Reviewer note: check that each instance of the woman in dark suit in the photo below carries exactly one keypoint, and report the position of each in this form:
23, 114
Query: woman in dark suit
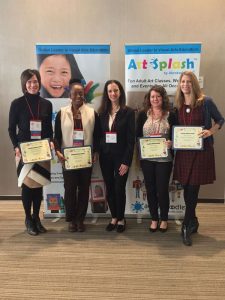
116, 149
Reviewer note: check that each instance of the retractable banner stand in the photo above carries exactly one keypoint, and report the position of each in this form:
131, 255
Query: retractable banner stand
57, 65
145, 66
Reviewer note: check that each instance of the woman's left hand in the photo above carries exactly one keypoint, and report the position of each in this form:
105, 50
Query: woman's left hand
205, 133
123, 169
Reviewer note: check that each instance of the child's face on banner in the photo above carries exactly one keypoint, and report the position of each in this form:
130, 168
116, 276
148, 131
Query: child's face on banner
55, 74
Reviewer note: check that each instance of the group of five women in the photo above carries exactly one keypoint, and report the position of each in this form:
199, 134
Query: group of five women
112, 135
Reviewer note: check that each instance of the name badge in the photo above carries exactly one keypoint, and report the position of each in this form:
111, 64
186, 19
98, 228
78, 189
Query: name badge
78, 134
78, 138
35, 130
111, 137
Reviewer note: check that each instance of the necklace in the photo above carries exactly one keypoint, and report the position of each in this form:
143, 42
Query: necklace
188, 110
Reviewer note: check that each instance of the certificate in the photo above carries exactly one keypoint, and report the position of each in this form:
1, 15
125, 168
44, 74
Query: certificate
35, 151
153, 147
77, 157
187, 138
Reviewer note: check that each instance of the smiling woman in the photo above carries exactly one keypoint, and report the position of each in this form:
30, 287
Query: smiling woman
56, 70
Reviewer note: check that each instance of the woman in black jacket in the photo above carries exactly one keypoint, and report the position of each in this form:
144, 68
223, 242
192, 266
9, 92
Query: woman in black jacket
30, 118
116, 149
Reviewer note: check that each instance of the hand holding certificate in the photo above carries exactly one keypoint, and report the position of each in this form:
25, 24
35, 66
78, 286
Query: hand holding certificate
153, 147
35, 151
187, 138
77, 157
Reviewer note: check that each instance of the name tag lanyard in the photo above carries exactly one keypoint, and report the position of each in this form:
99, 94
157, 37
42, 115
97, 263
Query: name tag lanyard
35, 124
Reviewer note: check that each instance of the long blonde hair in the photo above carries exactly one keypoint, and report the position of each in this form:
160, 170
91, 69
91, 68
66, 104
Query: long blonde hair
197, 97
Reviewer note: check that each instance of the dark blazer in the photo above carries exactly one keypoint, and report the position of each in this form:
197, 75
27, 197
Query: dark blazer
124, 126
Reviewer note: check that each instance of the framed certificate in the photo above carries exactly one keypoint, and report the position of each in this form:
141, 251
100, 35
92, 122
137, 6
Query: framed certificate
77, 157
35, 151
187, 138
152, 147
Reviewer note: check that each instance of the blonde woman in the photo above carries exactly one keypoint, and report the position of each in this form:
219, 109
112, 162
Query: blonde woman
194, 168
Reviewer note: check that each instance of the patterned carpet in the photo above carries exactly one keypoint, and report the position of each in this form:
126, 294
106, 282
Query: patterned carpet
100, 265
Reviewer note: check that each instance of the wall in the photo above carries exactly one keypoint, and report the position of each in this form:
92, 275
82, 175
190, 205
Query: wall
26, 22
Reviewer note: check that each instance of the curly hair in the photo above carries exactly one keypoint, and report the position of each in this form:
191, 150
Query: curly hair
165, 99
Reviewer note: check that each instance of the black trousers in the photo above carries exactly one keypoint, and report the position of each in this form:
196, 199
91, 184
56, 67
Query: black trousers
157, 176
31, 197
76, 184
191, 200
115, 184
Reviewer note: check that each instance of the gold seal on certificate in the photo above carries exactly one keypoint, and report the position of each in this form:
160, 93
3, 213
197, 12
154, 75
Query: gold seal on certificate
35, 151
77, 157
187, 138
153, 147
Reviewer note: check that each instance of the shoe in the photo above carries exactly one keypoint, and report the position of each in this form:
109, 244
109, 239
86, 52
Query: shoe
186, 235
31, 227
121, 227
81, 227
163, 229
154, 229
72, 227
110, 227
193, 225
39, 226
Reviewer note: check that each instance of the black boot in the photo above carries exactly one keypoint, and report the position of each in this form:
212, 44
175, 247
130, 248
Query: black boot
31, 227
39, 226
186, 235
193, 225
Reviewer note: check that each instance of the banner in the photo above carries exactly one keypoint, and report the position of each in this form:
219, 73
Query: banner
145, 66
57, 65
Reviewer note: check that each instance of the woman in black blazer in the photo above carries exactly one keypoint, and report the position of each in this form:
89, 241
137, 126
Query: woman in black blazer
116, 149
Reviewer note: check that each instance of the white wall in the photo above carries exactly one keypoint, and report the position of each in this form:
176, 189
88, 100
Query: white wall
23, 23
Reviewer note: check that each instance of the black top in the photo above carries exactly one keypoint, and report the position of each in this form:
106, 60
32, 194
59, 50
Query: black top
20, 117
58, 133
124, 126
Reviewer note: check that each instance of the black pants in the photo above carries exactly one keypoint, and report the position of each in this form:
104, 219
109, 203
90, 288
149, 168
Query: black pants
76, 184
115, 184
31, 197
191, 200
157, 176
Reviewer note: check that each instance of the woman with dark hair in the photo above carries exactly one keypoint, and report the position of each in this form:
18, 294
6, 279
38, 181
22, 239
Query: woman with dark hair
156, 119
116, 149
193, 168
56, 71
27, 112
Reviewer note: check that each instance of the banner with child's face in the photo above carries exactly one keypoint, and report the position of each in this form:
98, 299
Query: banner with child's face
57, 64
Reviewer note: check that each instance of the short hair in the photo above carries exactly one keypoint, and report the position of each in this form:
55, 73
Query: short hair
105, 106
165, 99
74, 81
26, 75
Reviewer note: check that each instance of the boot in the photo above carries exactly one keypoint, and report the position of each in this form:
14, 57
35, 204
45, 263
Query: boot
31, 227
194, 224
186, 235
39, 226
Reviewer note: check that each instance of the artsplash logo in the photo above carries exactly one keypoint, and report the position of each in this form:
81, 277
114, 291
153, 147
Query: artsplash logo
162, 65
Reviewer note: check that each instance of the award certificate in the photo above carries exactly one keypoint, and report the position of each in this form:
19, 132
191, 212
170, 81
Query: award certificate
77, 157
187, 138
35, 151
153, 147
